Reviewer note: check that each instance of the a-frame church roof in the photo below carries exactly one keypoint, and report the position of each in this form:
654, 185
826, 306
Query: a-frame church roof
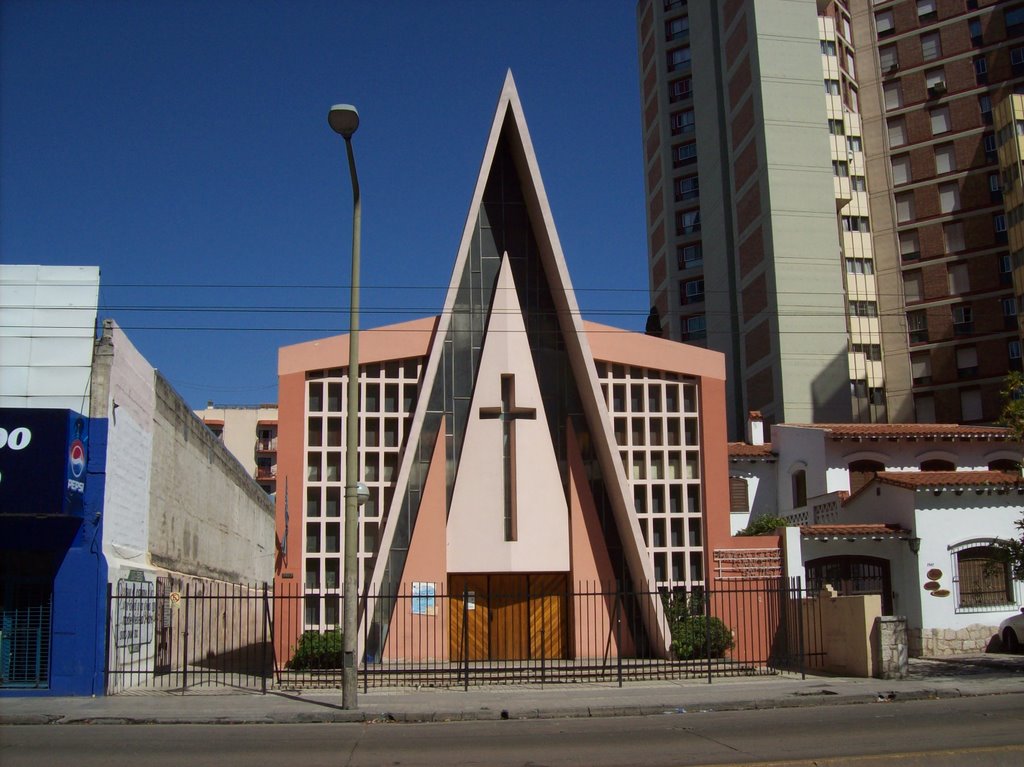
509, 229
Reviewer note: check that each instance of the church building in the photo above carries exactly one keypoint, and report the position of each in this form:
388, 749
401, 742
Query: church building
516, 456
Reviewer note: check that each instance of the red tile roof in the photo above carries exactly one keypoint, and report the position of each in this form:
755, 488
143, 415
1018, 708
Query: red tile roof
936, 479
908, 430
853, 531
745, 450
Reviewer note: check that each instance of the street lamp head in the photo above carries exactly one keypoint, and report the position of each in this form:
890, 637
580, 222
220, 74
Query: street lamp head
343, 119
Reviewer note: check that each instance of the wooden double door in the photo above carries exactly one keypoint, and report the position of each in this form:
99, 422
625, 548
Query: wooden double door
508, 617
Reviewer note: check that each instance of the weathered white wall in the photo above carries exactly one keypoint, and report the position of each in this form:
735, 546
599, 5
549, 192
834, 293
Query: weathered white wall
128, 402
47, 327
208, 517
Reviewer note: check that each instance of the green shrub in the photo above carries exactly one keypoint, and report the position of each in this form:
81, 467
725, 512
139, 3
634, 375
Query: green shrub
689, 627
765, 525
690, 638
317, 650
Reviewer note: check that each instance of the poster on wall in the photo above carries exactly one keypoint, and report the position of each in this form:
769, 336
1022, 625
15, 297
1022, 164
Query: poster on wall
423, 598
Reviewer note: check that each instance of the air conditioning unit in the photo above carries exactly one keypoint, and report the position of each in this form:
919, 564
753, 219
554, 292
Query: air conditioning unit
938, 89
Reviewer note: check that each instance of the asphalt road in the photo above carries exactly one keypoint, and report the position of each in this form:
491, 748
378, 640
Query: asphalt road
966, 731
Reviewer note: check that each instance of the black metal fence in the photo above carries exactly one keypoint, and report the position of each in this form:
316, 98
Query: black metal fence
485, 630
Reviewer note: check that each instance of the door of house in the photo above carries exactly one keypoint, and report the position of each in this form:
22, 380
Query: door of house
508, 616
851, 576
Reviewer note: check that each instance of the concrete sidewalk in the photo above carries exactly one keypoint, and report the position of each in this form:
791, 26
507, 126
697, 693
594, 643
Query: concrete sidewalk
958, 677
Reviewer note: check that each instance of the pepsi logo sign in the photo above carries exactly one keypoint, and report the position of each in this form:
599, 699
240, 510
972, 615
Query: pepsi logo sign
76, 457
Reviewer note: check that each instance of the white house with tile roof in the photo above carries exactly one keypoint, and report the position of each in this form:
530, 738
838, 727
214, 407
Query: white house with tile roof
909, 511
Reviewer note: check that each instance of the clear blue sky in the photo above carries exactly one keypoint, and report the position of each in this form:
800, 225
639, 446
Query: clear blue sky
179, 145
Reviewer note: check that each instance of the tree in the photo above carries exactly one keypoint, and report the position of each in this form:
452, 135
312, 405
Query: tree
1012, 417
765, 525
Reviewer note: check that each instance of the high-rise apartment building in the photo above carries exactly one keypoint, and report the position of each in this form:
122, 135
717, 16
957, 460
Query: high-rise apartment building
825, 204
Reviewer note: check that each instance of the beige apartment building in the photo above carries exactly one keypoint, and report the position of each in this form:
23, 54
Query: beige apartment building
825, 204
249, 432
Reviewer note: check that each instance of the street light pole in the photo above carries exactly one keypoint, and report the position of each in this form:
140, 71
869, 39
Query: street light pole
344, 119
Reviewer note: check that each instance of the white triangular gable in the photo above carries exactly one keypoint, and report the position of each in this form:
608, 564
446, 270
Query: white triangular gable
476, 539
509, 113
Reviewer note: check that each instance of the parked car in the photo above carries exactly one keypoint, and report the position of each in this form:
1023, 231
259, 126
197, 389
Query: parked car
1012, 632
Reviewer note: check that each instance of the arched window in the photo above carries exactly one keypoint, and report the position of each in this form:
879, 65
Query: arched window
1003, 464
862, 472
982, 576
799, 488
938, 464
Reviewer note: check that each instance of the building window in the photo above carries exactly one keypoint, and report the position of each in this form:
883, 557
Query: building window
901, 169
679, 58
985, 106
688, 222
685, 153
982, 577
980, 70
921, 368
739, 500
840, 168
892, 94
689, 256
828, 47
966, 361
974, 29
913, 286
799, 488
693, 292
884, 24
1013, 354
696, 326
931, 46
832, 87
963, 319
871, 352
999, 225
856, 224
905, 207
682, 122
917, 326
681, 89
863, 308
858, 183
888, 59
853, 143
926, 10
953, 236
687, 188
995, 189
910, 247
949, 197
677, 29
897, 131
989, 142
1014, 20
957, 279
945, 159
1017, 60
1005, 269
860, 266
836, 127
1009, 313
940, 121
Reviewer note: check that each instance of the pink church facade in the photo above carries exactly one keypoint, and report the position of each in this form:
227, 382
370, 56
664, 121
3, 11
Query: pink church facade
523, 465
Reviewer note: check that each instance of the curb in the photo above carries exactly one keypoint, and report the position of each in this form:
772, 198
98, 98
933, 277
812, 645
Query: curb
802, 700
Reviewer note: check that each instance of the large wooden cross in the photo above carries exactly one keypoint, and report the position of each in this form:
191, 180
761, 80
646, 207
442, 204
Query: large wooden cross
508, 413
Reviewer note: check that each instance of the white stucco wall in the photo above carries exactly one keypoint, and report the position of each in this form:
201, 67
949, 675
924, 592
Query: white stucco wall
47, 328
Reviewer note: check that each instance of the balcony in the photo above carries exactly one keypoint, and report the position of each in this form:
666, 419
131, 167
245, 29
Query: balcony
266, 472
266, 445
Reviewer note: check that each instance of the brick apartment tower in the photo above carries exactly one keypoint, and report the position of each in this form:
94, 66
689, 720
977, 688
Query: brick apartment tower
825, 204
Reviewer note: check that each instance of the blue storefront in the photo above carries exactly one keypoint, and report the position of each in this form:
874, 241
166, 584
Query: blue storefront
53, 574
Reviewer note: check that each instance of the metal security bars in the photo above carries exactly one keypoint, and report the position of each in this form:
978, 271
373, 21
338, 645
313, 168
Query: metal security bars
473, 630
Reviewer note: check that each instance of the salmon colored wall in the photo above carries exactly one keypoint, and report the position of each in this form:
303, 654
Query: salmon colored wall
617, 345
391, 342
424, 637
591, 570
291, 430
715, 459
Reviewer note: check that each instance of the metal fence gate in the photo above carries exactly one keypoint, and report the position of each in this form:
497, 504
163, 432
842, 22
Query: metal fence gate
181, 638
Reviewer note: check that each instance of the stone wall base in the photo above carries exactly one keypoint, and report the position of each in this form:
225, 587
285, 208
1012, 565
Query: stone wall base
934, 643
